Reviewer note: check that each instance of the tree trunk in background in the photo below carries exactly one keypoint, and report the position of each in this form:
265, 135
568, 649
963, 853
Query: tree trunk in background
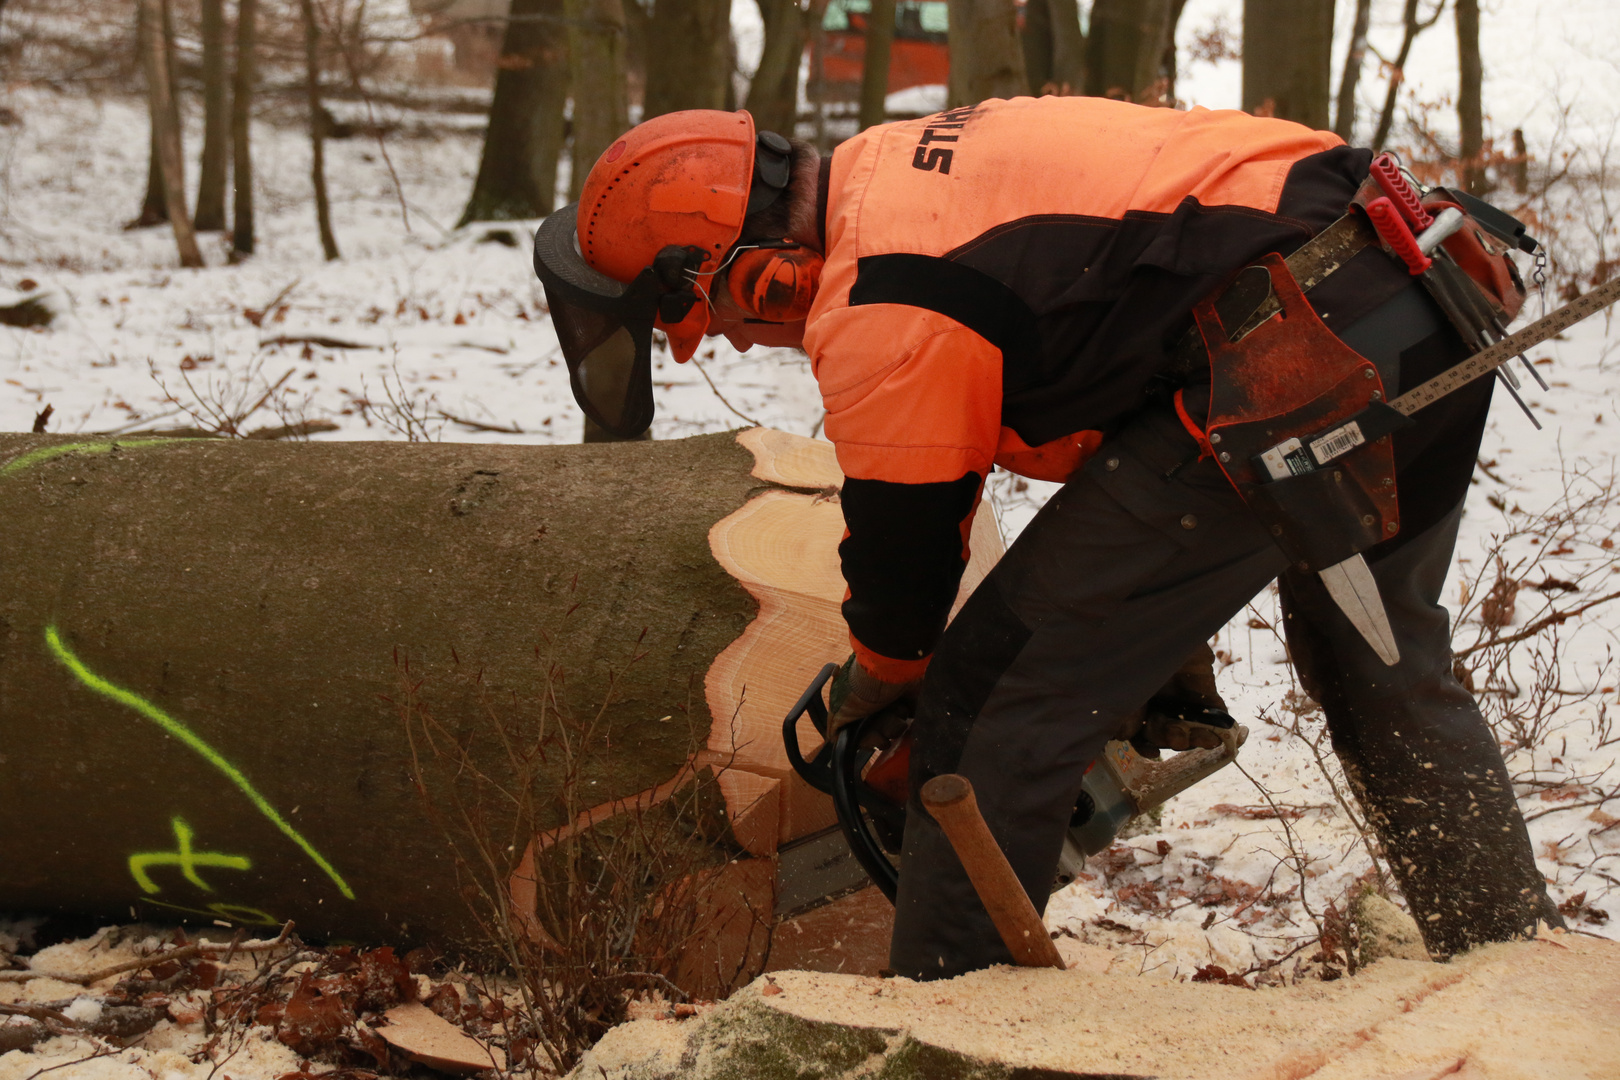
517, 175
1036, 40
216, 148
773, 93
1288, 59
154, 205
1125, 48
1411, 28
987, 60
875, 70
317, 127
242, 86
1470, 113
596, 41
1167, 62
1344, 116
166, 132
689, 56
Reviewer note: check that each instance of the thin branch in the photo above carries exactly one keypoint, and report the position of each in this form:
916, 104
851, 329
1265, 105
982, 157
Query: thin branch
721, 396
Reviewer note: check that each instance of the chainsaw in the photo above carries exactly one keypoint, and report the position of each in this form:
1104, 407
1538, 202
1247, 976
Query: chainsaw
865, 767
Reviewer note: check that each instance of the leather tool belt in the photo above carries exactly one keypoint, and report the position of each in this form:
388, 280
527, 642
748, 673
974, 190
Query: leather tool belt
1287, 379
1282, 386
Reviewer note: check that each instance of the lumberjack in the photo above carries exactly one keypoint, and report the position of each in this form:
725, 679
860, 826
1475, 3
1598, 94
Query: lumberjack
1095, 293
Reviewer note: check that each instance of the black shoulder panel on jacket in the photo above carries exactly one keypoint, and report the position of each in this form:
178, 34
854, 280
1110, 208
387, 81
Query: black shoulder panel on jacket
903, 560
970, 296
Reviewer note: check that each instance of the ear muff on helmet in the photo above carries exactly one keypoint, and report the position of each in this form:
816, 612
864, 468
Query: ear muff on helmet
776, 284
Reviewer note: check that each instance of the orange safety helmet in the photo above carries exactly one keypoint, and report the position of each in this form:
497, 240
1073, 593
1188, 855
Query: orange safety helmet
660, 211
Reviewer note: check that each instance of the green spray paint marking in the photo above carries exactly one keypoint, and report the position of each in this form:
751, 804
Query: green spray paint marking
47, 453
190, 738
185, 858
236, 913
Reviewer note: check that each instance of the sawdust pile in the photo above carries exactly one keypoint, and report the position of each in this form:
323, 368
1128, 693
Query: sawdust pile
1548, 1008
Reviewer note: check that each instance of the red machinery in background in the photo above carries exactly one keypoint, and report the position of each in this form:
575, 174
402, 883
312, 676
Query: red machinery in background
918, 57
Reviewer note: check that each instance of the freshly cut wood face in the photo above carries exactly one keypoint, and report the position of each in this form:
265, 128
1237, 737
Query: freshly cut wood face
783, 547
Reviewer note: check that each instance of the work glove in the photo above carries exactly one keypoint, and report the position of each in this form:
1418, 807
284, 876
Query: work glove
856, 694
1187, 713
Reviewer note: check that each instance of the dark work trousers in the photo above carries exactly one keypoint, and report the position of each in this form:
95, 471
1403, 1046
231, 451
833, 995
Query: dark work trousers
1142, 556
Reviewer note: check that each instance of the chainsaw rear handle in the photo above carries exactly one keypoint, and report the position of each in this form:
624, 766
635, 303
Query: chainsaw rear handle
818, 772
846, 772
834, 770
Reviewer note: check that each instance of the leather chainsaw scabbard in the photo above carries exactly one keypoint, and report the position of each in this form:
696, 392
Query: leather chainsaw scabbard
1292, 378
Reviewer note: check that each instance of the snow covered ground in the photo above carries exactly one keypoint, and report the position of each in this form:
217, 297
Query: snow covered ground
449, 326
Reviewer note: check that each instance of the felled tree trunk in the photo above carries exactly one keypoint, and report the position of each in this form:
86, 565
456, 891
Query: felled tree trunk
205, 646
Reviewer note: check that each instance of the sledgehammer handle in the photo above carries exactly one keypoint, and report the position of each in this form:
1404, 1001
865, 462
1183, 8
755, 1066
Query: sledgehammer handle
950, 800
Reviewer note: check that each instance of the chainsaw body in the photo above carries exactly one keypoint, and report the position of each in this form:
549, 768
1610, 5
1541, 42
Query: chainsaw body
865, 770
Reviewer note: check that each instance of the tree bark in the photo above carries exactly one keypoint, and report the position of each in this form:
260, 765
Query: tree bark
1168, 64
875, 67
242, 89
987, 60
773, 93
216, 638
154, 204
1470, 112
317, 128
517, 174
1126, 47
1288, 59
1036, 39
689, 58
212, 175
1412, 26
166, 133
596, 38
1344, 115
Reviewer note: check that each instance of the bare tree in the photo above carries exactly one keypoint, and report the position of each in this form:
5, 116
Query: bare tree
596, 39
154, 204
317, 127
987, 60
773, 94
165, 132
1054, 46
517, 175
1288, 59
1470, 113
875, 68
1412, 26
1126, 47
1344, 115
689, 56
216, 148
1168, 65
242, 85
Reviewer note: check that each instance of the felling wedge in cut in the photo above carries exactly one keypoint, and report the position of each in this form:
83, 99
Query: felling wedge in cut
211, 652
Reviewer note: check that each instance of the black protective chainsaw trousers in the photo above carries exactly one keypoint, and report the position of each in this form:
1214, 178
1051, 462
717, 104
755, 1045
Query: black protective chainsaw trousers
1144, 555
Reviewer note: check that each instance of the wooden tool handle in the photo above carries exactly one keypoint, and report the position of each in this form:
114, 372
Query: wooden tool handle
950, 800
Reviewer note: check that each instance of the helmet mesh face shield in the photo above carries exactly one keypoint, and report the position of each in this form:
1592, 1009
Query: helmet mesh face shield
604, 327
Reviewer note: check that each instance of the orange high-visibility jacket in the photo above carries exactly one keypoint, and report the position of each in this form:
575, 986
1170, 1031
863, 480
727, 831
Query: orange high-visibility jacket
1002, 285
